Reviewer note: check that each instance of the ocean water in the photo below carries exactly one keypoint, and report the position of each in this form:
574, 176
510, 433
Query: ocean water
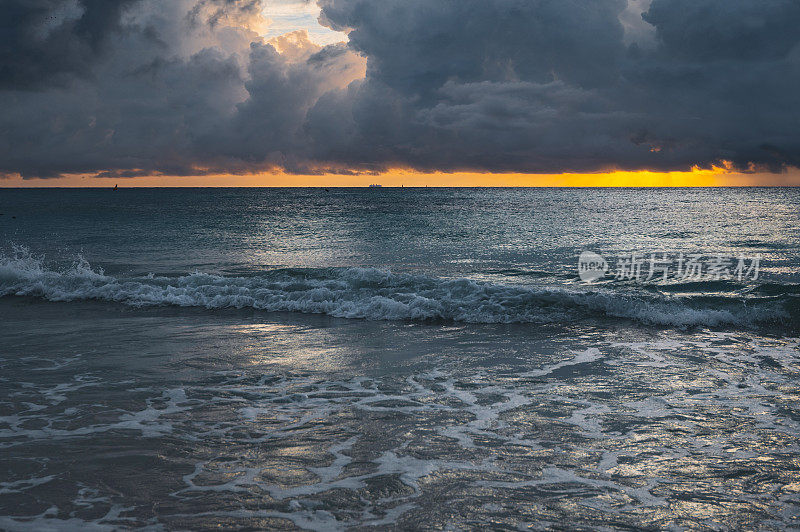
398, 359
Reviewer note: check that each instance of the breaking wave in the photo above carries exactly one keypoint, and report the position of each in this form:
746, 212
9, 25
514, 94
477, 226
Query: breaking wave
375, 294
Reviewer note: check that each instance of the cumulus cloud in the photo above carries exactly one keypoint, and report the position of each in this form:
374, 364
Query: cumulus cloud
129, 87
184, 87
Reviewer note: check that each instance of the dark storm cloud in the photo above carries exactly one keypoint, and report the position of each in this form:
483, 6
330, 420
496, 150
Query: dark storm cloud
417, 45
43, 41
134, 87
463, 84
271, 124
719, 86
549, 86
737, 30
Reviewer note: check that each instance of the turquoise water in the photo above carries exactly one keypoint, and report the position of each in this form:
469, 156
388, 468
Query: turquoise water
407, 358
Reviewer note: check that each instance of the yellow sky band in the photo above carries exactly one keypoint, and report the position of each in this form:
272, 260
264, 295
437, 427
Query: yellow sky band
717, 177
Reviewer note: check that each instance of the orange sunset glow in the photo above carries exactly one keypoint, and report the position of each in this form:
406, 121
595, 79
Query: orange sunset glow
716, 177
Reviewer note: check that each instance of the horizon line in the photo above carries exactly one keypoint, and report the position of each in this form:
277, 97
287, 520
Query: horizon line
715, 177
393, 187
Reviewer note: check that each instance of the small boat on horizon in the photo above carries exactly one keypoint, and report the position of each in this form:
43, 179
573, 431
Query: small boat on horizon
375, 186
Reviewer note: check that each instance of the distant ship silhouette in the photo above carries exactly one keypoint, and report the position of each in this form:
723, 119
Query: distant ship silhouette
375, 186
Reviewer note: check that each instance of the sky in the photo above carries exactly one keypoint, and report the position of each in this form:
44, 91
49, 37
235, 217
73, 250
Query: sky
399, 92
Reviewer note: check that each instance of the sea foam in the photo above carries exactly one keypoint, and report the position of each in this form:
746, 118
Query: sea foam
376, 294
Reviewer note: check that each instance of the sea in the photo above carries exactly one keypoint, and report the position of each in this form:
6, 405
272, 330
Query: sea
400, 359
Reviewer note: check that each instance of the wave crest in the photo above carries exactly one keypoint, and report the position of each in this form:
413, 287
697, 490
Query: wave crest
375, 294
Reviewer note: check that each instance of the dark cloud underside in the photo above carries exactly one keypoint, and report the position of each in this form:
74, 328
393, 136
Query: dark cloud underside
132, 87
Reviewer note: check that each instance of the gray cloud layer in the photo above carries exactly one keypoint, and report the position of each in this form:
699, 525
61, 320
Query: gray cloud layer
129, 87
